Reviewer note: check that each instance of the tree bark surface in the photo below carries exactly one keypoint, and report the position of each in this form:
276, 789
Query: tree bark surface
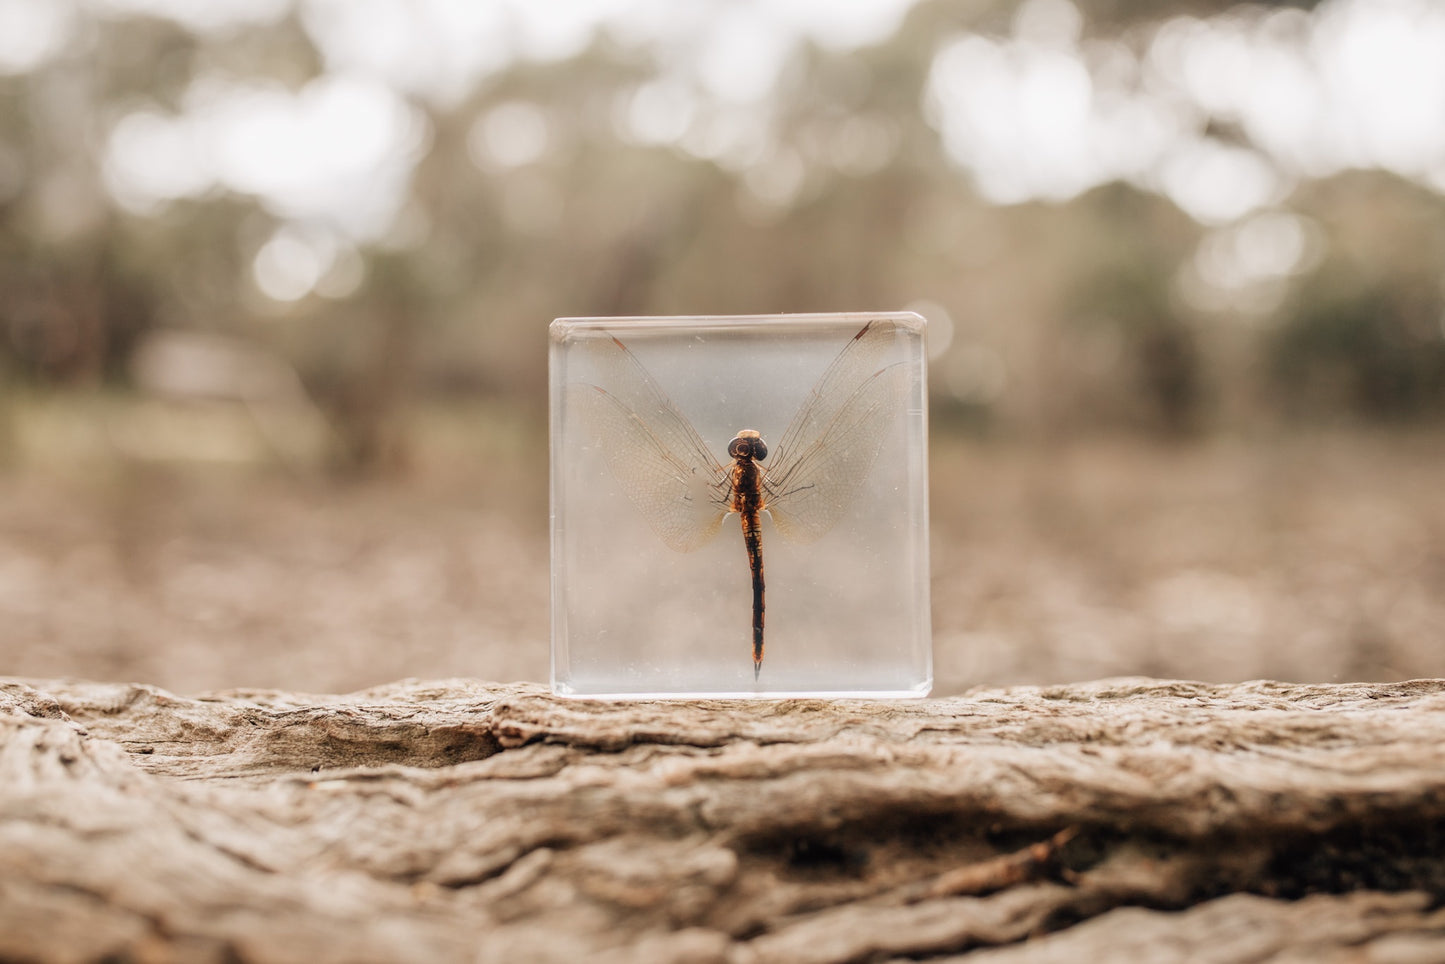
461, 821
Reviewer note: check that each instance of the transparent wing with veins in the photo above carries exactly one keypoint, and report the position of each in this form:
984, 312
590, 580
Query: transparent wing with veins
828, 450
812, 476
654, 453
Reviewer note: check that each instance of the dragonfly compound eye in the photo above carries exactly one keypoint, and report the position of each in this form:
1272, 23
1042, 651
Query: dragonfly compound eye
747, 445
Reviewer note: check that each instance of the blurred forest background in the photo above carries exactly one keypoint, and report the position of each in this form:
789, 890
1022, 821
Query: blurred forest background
275, 277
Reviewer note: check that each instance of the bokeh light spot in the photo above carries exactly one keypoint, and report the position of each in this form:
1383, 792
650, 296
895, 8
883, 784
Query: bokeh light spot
509, 135
287, 268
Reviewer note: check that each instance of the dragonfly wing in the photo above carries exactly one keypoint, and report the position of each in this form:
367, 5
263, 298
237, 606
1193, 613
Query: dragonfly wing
836, 437
655, 455
864, 355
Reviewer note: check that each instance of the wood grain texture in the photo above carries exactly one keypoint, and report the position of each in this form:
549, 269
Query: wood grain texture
461, 821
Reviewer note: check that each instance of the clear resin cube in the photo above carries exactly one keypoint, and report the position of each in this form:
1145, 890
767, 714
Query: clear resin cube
740, 506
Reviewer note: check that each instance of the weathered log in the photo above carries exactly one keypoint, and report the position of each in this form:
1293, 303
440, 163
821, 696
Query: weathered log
455, 820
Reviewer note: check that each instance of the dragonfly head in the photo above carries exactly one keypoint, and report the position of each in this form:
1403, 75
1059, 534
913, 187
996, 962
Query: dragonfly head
748, 445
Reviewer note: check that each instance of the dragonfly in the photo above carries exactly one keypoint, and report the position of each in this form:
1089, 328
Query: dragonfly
684, 492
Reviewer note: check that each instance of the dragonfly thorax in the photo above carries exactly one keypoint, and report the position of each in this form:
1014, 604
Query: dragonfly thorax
748, 444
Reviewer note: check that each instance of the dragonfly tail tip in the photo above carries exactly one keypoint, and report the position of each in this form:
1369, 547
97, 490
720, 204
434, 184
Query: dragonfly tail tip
757, 668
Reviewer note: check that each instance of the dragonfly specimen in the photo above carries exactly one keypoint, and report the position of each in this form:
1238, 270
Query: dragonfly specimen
819, 465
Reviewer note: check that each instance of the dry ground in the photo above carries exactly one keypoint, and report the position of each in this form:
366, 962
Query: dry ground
1308, 559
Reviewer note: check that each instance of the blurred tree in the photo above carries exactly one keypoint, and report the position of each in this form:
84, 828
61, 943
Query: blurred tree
1155, 378
1364, 332
541, 190
1373, 350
